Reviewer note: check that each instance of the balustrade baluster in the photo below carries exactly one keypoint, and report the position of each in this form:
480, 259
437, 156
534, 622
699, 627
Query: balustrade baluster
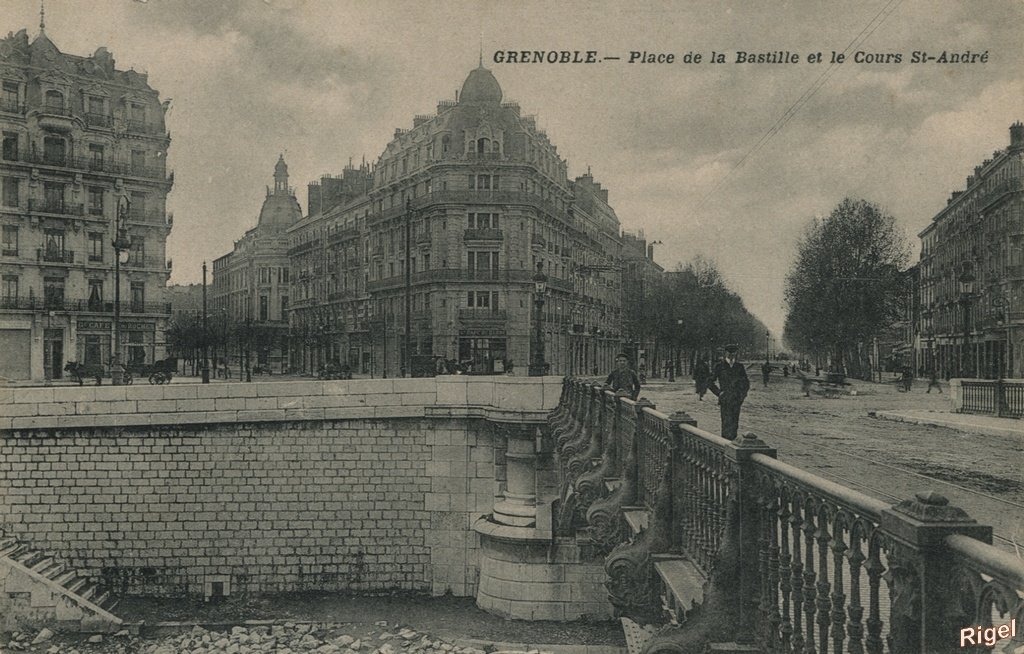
854, 610
824, 604
785, 571
797, 572
775, 618
810, 587
875, 569
763, 541
838, 547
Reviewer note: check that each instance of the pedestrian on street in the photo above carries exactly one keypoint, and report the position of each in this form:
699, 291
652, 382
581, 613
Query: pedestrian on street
701, 377
908, 379
933, 381
623, 378
805, 382
766, 371
785, 371
731, 388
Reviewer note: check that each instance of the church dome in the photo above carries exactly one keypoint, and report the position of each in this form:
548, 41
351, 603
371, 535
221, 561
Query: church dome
480, 86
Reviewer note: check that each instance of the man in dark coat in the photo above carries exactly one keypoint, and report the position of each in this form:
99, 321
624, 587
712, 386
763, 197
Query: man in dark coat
701, 376
623, 378
766, 371
729, 382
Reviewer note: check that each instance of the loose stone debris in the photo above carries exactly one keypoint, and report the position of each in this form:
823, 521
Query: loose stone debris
286, 638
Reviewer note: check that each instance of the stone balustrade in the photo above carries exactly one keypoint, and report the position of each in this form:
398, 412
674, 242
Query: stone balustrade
710, 541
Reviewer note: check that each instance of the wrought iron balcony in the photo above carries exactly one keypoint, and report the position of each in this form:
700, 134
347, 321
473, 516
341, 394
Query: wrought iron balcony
477, 314
55, 256
537, 242
99, 120
483, 235
143, 127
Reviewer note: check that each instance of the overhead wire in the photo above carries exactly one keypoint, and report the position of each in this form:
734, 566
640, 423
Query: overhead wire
808, 93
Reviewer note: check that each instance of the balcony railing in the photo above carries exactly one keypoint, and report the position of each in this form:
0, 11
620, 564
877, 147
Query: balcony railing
99, 120
464, 275
53, 110
475, 314
143, 127
33, 303
538, 242
55, 256
482, 235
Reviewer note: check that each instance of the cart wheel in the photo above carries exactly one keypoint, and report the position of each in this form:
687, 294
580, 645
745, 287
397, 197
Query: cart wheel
127, 379
154, 379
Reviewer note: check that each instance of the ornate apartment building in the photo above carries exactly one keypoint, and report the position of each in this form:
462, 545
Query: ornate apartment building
249, 297
972, 273
78, 136
484, 197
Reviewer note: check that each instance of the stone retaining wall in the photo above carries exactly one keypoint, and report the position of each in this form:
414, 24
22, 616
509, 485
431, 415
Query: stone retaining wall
270, 486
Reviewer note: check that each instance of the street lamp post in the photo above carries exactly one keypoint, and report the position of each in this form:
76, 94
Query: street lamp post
121, 245
540, 282
407, 359
206, 334
966, 293
767, 339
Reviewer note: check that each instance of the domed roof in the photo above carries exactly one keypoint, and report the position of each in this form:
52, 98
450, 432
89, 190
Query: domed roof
480, 86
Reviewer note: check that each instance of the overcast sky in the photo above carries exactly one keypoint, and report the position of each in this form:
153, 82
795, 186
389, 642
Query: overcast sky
323, 81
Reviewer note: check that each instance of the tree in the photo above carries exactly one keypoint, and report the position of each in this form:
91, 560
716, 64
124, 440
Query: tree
691, 312
846, 285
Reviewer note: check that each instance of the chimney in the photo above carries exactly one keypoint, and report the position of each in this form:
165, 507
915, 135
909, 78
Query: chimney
1016, 135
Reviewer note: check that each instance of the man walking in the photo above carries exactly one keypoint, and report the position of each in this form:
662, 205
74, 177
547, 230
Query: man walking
731, 388
623, 378
766, 371
701, 376
933, 381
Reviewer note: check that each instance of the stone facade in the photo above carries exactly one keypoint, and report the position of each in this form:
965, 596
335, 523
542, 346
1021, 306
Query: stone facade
250, 285
164, 490
484, 197
975, 331
78, 136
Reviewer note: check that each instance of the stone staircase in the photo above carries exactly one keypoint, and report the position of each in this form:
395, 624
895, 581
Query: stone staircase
38, 589
682, 586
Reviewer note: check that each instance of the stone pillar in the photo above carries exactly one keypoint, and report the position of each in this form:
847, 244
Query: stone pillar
519, 508
926, 614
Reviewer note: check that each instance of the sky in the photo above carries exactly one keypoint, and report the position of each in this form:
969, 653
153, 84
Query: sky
726, 160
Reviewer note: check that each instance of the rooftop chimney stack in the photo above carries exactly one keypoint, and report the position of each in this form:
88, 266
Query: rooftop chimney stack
1016, 136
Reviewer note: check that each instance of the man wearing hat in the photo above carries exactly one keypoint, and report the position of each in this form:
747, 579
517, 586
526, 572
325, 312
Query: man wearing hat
623, 378
729, 382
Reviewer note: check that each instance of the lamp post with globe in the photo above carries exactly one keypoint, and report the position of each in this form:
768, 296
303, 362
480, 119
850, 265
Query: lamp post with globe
121, 245
540, 283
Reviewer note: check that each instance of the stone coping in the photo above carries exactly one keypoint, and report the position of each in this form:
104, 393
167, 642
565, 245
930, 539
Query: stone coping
486, 527
498, 398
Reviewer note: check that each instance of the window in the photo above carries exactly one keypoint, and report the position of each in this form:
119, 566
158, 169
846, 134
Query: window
137, 250
264, 307
9, 97
284, 306
482, 260
95, 156
53, 150
483, 221
96, 106
138, 209
284, 275
138, 161
53, 292
138, 297
136, 346
137, 113
10, 287
53, 243
482, 299
95, 246
10, 240
95, 294
10, 146
10, 198
264, 277
53, 197
95, 201
55, 101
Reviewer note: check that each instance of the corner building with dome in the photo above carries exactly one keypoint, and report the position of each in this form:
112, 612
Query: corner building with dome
486, 198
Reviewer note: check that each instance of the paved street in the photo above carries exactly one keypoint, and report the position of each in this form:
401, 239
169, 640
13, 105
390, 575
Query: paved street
837, 439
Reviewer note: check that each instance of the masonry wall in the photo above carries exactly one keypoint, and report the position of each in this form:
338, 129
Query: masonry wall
365, 502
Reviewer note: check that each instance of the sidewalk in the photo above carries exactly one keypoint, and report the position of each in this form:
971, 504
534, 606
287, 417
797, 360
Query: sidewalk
961, 421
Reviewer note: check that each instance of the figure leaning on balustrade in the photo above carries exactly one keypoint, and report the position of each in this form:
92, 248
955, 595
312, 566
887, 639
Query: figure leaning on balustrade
623, 378
730, 383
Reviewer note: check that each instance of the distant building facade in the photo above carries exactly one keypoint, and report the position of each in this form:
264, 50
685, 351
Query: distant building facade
78, 136
249, 295
972, 273
639, 275
485, 198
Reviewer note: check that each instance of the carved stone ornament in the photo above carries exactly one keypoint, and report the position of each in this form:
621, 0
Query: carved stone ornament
930, 506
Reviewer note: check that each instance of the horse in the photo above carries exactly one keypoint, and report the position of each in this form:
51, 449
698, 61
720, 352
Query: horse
80, 370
